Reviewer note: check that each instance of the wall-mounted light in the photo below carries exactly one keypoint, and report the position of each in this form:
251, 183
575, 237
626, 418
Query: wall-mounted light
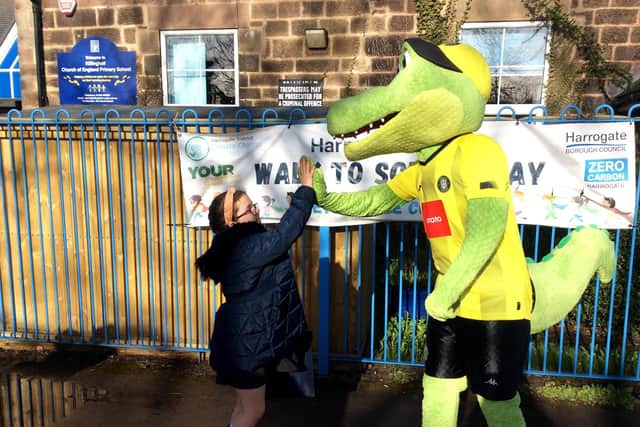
316, 38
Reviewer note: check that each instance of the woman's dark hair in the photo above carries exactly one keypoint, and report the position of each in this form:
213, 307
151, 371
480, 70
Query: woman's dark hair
216, 211
207, 261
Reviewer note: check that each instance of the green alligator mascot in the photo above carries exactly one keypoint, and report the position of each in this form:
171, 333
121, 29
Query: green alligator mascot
482, 309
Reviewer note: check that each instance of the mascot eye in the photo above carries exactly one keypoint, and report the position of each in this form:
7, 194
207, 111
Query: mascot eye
404, 61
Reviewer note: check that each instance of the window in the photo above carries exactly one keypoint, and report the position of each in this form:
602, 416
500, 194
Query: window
10, 66
516, 54
200, 67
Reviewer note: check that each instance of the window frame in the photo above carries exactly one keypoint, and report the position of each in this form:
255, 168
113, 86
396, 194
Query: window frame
163, 58
520, 109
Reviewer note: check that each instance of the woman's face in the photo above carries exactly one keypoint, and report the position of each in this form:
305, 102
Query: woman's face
246, 210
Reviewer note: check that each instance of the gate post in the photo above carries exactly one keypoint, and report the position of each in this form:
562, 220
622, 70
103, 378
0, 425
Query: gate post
323, 300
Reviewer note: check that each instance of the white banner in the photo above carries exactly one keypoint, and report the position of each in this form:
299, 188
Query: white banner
562, 174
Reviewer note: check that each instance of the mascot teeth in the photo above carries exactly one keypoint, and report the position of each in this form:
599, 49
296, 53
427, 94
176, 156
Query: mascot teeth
366, 130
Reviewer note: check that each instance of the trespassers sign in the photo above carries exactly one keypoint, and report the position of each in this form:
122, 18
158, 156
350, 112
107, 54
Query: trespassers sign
565, 175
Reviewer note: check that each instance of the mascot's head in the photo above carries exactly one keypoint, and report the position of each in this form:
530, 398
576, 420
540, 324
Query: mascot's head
438, 93
471, 64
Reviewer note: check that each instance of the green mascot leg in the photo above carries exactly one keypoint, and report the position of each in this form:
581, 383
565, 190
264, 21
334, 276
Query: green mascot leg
441, 398
502, 413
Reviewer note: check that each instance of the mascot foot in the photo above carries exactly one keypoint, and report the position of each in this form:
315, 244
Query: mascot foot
562, 276
502, 413
441, 400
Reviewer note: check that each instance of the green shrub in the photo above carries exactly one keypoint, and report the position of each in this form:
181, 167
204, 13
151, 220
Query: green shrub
585, 363
592, 394
407, 349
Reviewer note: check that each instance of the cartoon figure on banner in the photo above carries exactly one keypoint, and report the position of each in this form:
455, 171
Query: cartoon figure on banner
574, 205
607, 203
481, 310
269, 206
198, 209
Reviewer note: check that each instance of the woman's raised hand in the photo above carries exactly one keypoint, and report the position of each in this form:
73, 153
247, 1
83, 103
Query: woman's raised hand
306, 171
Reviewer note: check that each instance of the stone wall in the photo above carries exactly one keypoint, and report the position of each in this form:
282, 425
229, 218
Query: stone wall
364, 38
615, 24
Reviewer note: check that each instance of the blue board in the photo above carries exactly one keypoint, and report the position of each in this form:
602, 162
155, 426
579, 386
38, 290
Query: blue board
96, 72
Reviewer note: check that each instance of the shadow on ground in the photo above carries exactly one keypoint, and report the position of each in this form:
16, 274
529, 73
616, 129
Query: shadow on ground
61, 362
103, 388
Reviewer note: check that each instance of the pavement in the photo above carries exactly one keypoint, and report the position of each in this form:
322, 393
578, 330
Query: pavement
93, 387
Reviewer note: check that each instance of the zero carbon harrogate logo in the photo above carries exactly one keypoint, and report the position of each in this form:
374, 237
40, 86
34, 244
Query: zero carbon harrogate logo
196, 148
604, 170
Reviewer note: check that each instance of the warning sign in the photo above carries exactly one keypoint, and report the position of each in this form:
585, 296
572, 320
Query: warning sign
300, 93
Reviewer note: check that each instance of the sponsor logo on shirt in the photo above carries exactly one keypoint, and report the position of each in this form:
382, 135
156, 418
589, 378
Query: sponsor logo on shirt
435, 219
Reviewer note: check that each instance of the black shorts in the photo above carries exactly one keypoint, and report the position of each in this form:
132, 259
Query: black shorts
491, 354
242, 379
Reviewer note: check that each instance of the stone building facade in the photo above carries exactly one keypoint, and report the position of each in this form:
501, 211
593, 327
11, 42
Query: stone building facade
364, 38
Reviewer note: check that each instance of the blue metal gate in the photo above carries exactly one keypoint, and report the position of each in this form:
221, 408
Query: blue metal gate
96, 252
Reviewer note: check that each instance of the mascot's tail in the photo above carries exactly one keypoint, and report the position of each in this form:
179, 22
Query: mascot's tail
562, 276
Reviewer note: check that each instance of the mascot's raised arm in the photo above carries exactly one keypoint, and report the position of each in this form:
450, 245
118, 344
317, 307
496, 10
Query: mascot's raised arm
482, 308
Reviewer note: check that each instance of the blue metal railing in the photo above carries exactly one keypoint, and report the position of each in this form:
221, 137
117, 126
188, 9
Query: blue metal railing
96, 251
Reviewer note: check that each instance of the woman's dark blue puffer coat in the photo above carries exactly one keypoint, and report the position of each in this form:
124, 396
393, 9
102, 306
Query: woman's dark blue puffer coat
262, 320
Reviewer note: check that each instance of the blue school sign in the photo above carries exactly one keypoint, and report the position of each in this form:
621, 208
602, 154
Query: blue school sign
96, 72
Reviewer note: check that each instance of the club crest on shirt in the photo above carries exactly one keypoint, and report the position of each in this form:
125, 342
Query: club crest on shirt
444, 184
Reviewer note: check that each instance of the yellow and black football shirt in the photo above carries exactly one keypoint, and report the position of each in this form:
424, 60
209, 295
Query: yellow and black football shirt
469, 167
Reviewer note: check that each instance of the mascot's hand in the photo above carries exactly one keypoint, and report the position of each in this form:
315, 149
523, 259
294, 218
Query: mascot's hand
371, 202
438, 305
319, 186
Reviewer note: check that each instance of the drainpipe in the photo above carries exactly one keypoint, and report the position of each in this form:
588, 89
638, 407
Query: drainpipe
36, 6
